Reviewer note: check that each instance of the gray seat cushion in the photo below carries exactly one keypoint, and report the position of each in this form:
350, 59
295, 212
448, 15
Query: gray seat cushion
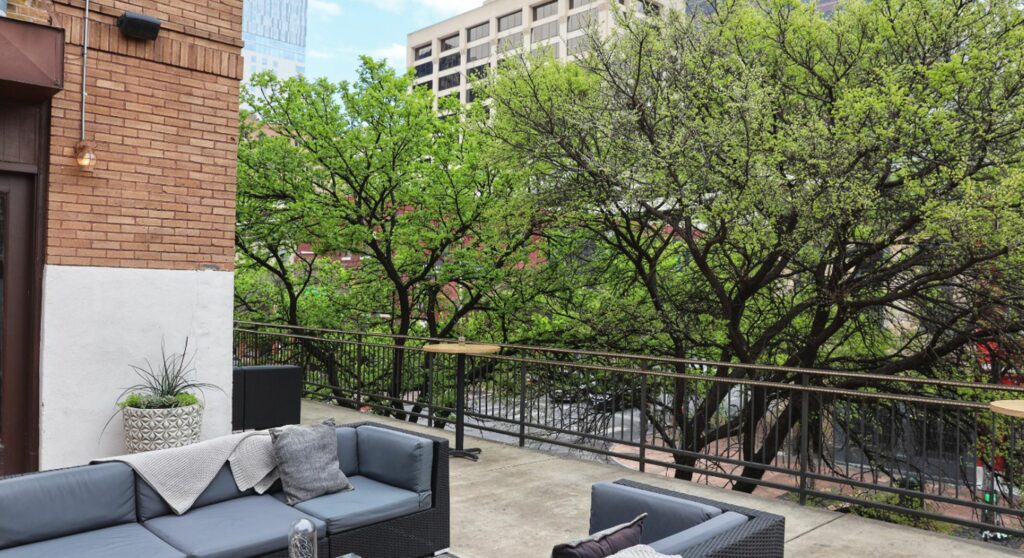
247, 526
612, 504
371, 502
130, 540
53, 504
395, 458
680, 542
223, 487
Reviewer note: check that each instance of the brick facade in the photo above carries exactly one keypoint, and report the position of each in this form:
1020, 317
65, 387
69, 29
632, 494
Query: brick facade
162, 117
36, 11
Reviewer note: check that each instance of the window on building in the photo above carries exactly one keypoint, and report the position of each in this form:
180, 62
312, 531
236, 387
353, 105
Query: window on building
426, 84
549, 49
423, 52
424, 70
650, 8
645, 7
545, 10
478, 32
478, 72
544, 31
582, 20
510, 42
573, 4
449, 43
448, 81
576, 45
470, 95
479, 52
510, 21
449, 62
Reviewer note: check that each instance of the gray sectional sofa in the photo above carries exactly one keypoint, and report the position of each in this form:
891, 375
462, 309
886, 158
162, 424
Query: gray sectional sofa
399, 509
679, 524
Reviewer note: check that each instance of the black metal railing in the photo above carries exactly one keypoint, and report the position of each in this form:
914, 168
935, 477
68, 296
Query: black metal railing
924, 448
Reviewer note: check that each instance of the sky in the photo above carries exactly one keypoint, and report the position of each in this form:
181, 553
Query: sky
340, 30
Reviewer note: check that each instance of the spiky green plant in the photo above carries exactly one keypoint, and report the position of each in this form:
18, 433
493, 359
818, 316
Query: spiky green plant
168, 384
171, 377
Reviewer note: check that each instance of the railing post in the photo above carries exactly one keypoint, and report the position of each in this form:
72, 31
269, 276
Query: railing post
804, 454
643, 423
359, 371
429, 386
522, 404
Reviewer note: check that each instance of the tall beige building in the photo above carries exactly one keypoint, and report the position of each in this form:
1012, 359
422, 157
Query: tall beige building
448, 54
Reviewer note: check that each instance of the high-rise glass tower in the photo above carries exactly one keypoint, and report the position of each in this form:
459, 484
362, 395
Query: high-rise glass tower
275, 37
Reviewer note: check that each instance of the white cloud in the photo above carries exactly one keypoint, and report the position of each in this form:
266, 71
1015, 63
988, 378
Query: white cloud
393, 53
442, 7
320, 54
325, 7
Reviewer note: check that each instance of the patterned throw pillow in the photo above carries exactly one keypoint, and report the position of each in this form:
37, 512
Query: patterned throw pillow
307, 460
603, 543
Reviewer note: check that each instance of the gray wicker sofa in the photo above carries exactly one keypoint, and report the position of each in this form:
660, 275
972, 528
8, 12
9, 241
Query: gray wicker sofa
399, 509
680, 524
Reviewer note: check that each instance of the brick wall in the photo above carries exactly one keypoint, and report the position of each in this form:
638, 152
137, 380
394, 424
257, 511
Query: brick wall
36, 11
162, 118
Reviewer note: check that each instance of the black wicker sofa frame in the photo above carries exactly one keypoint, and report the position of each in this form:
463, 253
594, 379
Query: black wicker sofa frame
106, 511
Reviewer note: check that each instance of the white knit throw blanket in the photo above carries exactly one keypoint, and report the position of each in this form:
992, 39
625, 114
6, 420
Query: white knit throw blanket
180, 475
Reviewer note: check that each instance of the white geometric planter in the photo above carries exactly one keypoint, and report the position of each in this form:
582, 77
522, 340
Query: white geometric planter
153, 429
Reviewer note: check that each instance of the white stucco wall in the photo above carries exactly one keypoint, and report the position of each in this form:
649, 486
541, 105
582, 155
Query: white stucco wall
98, 321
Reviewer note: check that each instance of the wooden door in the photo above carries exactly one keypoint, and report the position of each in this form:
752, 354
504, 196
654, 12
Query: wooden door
18, 413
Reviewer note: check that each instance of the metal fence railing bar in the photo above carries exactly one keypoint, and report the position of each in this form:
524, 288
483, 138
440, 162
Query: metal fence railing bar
924, 448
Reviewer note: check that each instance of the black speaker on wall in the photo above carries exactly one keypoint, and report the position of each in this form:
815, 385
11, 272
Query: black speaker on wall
138, 26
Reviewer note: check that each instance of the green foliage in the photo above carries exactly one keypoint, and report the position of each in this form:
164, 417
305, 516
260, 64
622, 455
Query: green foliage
368, 169
758, 183
169, 378
768, 184
166, 384
888, 516
151, 401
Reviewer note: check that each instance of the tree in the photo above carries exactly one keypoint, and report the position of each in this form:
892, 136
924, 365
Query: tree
786, 187
371, 169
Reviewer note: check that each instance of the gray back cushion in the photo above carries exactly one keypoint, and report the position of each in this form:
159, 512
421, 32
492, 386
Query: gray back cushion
395, 458
348, 451
57, 503
685, 540
222, 488
612, 504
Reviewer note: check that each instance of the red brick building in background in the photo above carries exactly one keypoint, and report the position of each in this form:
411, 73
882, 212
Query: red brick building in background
101, 266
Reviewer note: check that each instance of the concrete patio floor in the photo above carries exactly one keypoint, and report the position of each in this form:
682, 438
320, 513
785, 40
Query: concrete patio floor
518, 502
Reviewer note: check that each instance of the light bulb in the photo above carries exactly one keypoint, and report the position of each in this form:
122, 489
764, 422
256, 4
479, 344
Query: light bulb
85, 157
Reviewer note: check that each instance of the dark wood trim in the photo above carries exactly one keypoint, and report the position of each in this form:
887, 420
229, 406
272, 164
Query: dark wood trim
21, 168
44, 47
18, 411
38, 261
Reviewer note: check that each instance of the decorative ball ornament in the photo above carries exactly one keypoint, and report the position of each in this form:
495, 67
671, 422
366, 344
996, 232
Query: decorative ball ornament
302, 539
